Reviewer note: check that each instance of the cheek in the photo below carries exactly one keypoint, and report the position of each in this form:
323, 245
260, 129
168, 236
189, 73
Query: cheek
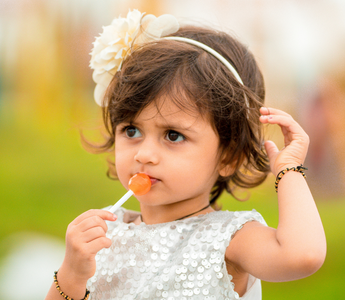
195, 168
122, 165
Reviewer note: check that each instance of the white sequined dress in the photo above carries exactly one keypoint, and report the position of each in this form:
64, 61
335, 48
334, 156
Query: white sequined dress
170, 261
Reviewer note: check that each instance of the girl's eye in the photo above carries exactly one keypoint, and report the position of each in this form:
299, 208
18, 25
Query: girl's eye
132, 132
174, 136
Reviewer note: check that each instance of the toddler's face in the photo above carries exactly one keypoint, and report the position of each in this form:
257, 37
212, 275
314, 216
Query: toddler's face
177, 149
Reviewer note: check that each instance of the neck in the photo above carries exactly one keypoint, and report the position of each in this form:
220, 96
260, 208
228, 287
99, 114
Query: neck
169, 214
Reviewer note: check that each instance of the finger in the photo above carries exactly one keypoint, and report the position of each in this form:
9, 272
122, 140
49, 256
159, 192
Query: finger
92, 234
283, 120
92, 222
103, 214
271, 149
98, 244
272, 111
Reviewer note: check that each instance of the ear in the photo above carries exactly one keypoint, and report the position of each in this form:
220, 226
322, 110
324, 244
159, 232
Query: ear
228, 167
226, 170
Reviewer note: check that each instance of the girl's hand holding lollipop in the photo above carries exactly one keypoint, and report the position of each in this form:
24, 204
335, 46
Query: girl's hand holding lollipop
86, 235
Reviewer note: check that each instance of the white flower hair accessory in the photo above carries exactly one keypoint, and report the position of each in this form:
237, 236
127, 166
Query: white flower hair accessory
116, 41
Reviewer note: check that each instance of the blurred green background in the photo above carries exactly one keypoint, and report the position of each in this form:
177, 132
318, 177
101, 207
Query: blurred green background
46, 98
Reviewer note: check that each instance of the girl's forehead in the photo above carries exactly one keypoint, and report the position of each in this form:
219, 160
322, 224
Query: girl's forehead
166, 108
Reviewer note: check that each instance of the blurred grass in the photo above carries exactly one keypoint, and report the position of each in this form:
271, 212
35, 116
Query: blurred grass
47, 179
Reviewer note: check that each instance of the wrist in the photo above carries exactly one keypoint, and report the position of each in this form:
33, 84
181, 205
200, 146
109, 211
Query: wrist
285, 166
70, 284
300, 169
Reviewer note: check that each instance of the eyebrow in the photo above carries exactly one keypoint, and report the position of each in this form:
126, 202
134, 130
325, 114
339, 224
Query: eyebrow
177, 126
170, 125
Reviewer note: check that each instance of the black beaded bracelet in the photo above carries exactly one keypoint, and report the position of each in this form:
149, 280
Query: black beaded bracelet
86, 297
299, 169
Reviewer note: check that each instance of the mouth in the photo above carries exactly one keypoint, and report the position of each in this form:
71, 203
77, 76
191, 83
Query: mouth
153, 180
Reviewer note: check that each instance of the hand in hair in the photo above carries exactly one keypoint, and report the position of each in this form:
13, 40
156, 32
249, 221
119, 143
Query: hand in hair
296, 141
297, 248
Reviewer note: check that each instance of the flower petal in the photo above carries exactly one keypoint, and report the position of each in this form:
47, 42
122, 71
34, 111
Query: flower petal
162, 26
99, 94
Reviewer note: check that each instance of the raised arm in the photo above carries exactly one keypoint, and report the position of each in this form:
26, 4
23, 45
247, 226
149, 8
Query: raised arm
297, 248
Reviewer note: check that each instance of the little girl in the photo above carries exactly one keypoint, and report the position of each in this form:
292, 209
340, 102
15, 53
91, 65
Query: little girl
185, 106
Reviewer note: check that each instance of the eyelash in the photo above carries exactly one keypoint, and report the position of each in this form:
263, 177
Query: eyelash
125, 128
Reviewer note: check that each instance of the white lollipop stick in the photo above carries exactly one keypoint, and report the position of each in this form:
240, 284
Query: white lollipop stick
124, 198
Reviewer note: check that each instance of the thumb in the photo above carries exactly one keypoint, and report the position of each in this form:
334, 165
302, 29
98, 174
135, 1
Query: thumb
271, 149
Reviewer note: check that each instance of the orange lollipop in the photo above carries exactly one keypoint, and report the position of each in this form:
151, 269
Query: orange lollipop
139, 184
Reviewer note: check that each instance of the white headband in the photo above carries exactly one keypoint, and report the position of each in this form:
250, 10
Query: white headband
209, 50
111, 47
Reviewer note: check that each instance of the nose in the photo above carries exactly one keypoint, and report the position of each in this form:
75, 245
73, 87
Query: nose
147, 153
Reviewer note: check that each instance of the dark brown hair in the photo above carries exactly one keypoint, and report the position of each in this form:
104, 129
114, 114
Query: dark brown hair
183, 71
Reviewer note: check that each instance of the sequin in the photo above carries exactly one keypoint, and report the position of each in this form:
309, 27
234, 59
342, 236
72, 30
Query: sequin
132, 262
183, 276
194, 255
201, 269
191, 268
208, 277
214, 283
165, 294
220, 238
205, 291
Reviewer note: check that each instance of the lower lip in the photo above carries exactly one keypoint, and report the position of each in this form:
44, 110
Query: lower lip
154, 180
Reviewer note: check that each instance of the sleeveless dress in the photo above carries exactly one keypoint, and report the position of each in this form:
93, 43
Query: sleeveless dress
169, 261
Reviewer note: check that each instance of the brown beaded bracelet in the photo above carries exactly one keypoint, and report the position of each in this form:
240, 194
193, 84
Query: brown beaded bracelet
86, 297
299, 169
